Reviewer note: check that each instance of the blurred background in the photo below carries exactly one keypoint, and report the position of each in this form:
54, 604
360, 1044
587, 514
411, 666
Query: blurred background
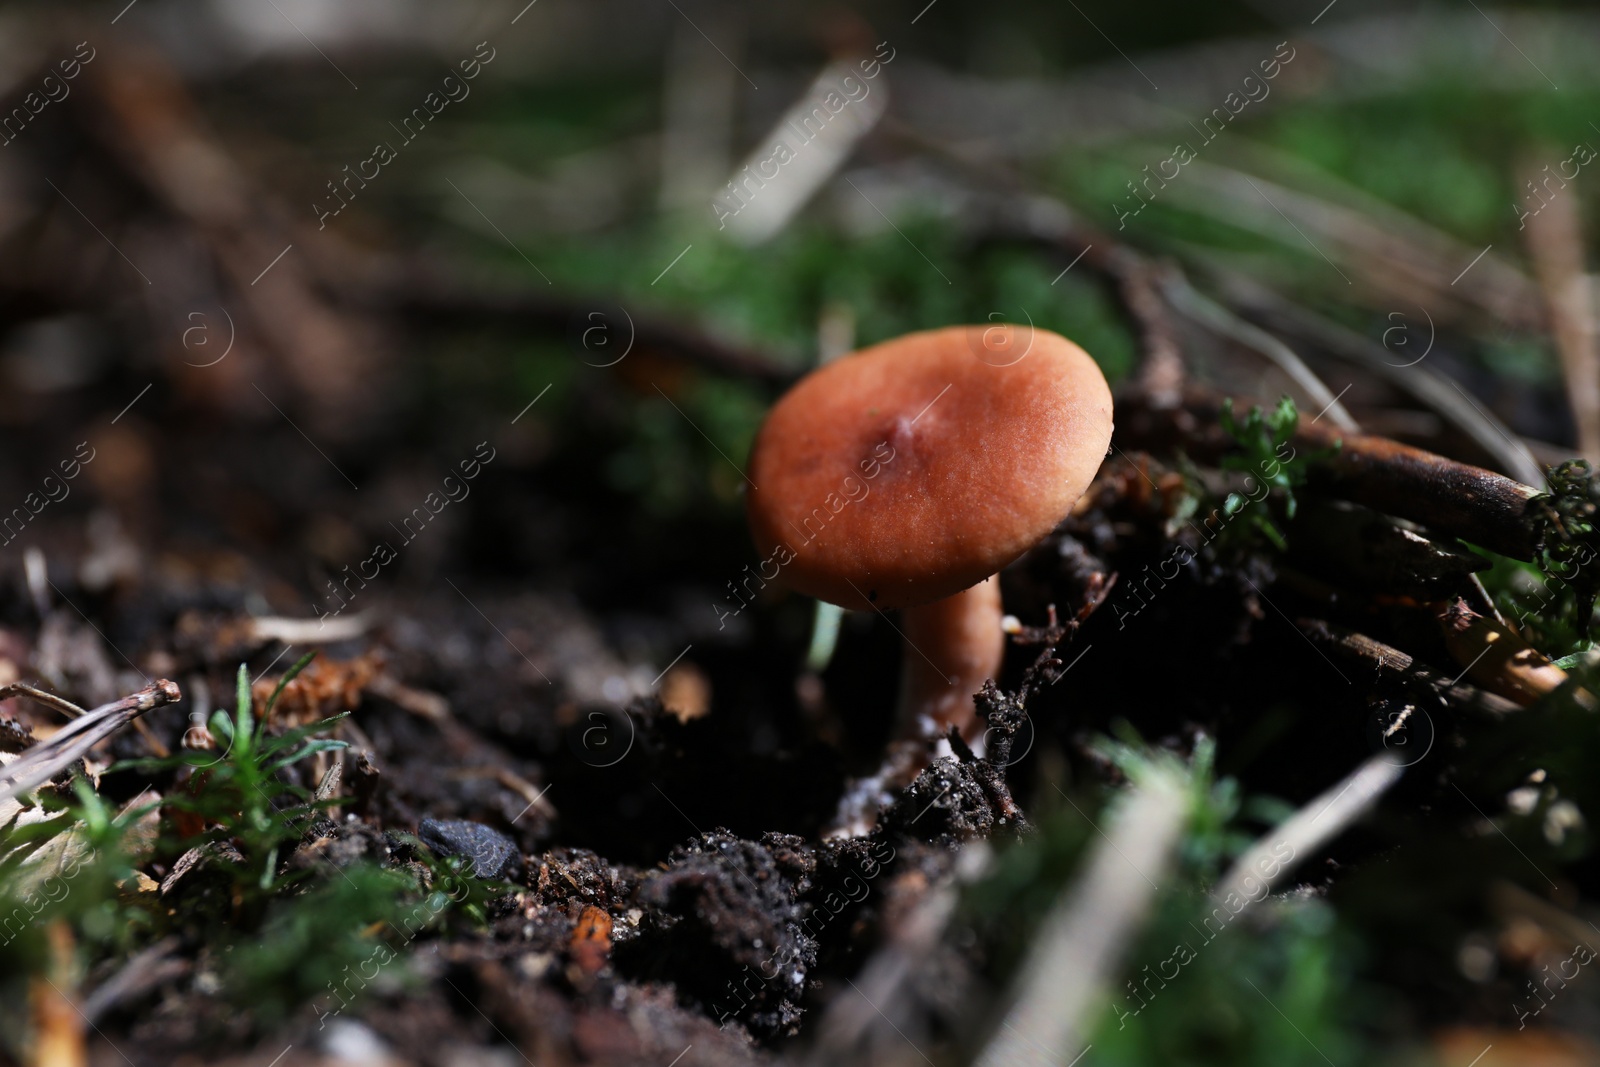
586, 189
255, 210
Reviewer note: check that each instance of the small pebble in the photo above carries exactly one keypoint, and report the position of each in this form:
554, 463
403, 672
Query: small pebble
489, 852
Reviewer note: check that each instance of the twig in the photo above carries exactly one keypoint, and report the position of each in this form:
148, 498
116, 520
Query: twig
525, 789
61, 704
47, 759
418, 702
1459, 499
72, 711
1390, 664
1161, 372
422, 292
1494, 656
1453, 498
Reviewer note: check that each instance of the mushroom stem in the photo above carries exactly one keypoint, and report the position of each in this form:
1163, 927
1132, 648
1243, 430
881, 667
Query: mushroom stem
953, 646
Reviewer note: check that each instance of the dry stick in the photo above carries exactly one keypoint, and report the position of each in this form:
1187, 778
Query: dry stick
61, 704
1081, 942
1496, 657
1390, 664
1449, 497
48, 758
1136, 280
1555, 244
72, 711
418, 702
1161, 372
1468, 502
1307, 830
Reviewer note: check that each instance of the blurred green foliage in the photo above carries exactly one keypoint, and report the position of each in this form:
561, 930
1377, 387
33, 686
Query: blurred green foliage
772, 299
1276, 986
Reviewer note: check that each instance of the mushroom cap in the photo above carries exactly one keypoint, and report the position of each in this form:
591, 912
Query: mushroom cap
911, 470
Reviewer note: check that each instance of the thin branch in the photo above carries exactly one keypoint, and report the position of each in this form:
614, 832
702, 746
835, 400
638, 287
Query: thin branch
1391, 664
1449, 497
48, 758
423, 293
61, 704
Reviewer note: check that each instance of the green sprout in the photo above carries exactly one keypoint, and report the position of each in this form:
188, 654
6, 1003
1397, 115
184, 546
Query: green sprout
252, 808
1265, 453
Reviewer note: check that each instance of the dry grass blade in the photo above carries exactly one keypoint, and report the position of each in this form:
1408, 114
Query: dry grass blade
291, 631
1388, 254
61, 704
1320, 821
1077, 950
47, 759
1425, 385
1225, 323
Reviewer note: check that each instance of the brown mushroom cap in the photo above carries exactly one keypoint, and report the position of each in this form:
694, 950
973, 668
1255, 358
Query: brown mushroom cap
911, 470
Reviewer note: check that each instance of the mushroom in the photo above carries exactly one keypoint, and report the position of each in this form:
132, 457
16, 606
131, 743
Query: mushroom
908, 474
